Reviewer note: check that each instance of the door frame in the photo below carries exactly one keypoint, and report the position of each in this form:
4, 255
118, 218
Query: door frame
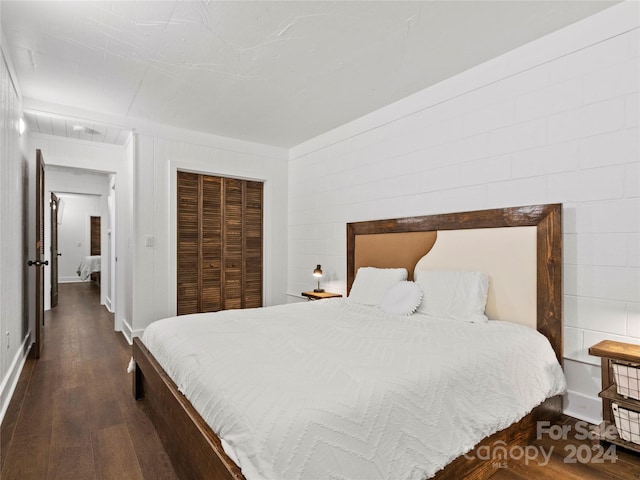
53, 205
112, 246
39, 262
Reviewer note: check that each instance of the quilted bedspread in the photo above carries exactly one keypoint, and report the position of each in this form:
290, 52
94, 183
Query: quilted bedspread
88, 265
335, 390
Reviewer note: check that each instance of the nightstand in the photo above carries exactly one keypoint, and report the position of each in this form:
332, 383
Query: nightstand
625, 355
320, 295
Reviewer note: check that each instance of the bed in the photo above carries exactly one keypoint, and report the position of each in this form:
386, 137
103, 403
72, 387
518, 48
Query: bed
482, 240
89, 264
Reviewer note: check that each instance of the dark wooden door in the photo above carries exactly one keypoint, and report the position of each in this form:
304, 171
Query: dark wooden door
95, 236
94, 248
54, 250
219, 243
39, 261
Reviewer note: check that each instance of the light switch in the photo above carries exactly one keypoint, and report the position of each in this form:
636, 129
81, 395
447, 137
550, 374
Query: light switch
149, 240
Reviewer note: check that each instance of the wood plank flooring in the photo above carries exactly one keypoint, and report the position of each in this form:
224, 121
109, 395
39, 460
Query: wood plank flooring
73, 416
570, 458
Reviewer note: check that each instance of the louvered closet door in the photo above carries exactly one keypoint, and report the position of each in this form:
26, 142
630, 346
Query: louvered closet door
188, 221
211, 244
232, 243
219, 243
253, 244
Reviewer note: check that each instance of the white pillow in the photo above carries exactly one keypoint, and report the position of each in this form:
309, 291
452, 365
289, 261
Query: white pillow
371, 283
402, 299
452, 294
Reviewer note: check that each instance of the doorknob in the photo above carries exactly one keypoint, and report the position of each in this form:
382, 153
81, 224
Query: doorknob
59, 254
37, 263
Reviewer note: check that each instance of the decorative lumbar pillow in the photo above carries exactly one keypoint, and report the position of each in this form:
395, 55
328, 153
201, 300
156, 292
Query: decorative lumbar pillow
402, 299
458, 295
371, 283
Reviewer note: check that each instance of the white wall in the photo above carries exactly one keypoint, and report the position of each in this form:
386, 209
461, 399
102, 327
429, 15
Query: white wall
553, 121
14, 328
157, 159
124, 244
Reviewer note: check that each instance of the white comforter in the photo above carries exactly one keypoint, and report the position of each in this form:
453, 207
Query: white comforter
88, 265
334, 390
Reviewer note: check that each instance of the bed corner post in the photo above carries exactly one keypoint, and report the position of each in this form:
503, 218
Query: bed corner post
550, 276
351, 245
137, 388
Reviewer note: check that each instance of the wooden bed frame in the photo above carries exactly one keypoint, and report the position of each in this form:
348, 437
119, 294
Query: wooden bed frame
196, 451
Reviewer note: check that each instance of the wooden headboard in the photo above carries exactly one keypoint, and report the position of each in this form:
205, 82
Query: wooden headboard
402, 242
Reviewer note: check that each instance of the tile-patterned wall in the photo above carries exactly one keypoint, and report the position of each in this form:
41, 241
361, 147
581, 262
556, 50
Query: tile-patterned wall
563, 129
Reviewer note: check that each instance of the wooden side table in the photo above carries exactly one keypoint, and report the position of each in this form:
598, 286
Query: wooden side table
320, 295
614, 352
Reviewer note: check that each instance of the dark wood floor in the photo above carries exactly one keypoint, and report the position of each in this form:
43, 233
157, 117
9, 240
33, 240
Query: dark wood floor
570, 458
73, 416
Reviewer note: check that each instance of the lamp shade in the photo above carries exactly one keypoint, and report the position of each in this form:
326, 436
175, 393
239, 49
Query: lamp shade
317, 272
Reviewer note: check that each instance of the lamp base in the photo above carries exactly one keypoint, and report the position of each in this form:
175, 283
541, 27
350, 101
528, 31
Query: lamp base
318, 290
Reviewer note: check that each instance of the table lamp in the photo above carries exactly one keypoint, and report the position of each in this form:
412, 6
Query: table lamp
318, 273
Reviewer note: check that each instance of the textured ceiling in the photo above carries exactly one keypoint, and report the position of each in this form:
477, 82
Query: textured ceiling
277, 73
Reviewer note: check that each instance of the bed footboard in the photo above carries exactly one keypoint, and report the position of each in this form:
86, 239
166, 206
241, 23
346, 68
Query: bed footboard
195, 451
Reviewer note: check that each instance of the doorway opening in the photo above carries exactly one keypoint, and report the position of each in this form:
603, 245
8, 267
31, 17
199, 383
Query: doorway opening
80, 235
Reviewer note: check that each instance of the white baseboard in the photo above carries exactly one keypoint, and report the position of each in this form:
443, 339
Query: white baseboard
128, 331
70, 280
10, 381
582, 407
107, 303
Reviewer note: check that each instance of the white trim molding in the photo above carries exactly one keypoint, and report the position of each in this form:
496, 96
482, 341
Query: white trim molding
129, 333
582, 407
10, 381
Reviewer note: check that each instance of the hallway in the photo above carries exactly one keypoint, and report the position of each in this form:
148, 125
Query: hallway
72, 415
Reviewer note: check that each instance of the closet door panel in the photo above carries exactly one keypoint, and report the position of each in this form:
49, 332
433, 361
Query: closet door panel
188, 241
211, 244
232, 243
252, 246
